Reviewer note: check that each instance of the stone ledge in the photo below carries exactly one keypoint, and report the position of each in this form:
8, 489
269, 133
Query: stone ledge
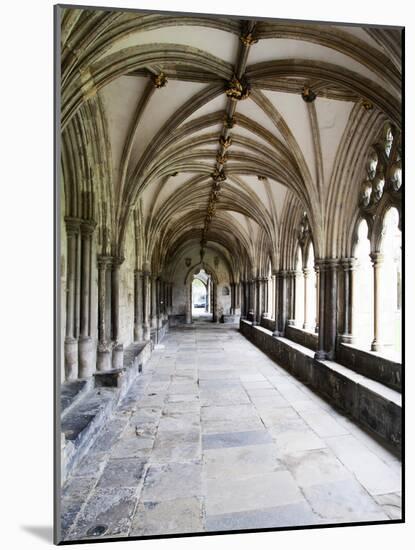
89, 412
302, 336
371, 364
71, 392
373, 405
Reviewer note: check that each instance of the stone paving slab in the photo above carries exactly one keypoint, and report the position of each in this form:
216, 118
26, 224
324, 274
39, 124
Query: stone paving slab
376, 476
235, 439
278, 516
248, 493
241, 461
171, 481
343, 500
122, 472
215, 436
111, 508
181, 515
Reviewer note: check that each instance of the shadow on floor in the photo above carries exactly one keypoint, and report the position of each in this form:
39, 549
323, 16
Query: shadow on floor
43, 532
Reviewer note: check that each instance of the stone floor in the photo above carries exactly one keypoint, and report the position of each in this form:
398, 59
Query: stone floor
215, 436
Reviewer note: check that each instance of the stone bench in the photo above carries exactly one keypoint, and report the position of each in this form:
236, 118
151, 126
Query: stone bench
373, 405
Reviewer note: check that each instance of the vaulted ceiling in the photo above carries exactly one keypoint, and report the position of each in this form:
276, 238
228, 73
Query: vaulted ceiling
220, 131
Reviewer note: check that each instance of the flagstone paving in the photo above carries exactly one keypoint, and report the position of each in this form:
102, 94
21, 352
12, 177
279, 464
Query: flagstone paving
215, 436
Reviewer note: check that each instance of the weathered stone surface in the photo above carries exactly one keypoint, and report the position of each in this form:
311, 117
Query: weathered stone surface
343, 501
279, 516
171, 481
122, 472
248, 493
272, 461
111, 508
227, 461
235, 439
181, 515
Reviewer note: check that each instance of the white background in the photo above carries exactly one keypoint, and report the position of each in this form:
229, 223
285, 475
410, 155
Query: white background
26, 285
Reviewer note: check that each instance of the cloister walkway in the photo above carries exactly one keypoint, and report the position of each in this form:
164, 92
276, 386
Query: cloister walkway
215, 436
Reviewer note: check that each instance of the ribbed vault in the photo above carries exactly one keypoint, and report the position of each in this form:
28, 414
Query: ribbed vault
219, 134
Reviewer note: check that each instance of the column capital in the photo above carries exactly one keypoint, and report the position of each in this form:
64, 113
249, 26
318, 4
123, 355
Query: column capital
327, 264
87, 227
117, 261
348, 264
104, 261
72, 225
377, 258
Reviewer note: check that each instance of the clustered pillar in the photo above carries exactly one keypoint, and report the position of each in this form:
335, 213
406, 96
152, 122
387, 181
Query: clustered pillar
78, 347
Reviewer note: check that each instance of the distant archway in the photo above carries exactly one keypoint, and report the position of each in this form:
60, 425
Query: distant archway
201, 295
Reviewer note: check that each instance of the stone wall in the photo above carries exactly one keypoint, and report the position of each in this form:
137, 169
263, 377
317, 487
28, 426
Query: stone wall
371, 404
303, 337
180, 289
372, 365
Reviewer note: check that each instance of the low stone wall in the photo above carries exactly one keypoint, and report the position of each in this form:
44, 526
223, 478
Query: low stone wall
269, 324
303, 337
370, 403
372, 365
175, 320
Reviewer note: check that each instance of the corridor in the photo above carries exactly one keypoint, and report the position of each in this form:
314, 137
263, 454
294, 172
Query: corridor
215, 436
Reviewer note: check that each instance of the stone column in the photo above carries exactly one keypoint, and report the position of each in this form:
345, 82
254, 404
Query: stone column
317, 270
215, 304
258, 296
138, 305
104, 346
291, 297
238, 298
320, 353
328, 309
253, 301
209, 284
232, 285
276, 279
146, 304
118, 350
378, 332
349, 266
188, 290
274, 304
158, 303
153, 302
86, 353
307, 295
265, 297
170, 297
331, 310
71, 342
282, 280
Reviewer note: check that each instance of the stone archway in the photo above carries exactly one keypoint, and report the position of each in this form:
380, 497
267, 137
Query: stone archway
212, 291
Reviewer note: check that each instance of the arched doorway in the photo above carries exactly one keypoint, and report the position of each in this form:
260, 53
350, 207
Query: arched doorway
202, 296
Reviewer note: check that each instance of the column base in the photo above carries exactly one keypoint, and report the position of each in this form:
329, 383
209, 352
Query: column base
347, 339
321, 355
291, 322
307, 327
277, 333
104, 357
118, 356
71, 358
138, 333
86, 357
146, 333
